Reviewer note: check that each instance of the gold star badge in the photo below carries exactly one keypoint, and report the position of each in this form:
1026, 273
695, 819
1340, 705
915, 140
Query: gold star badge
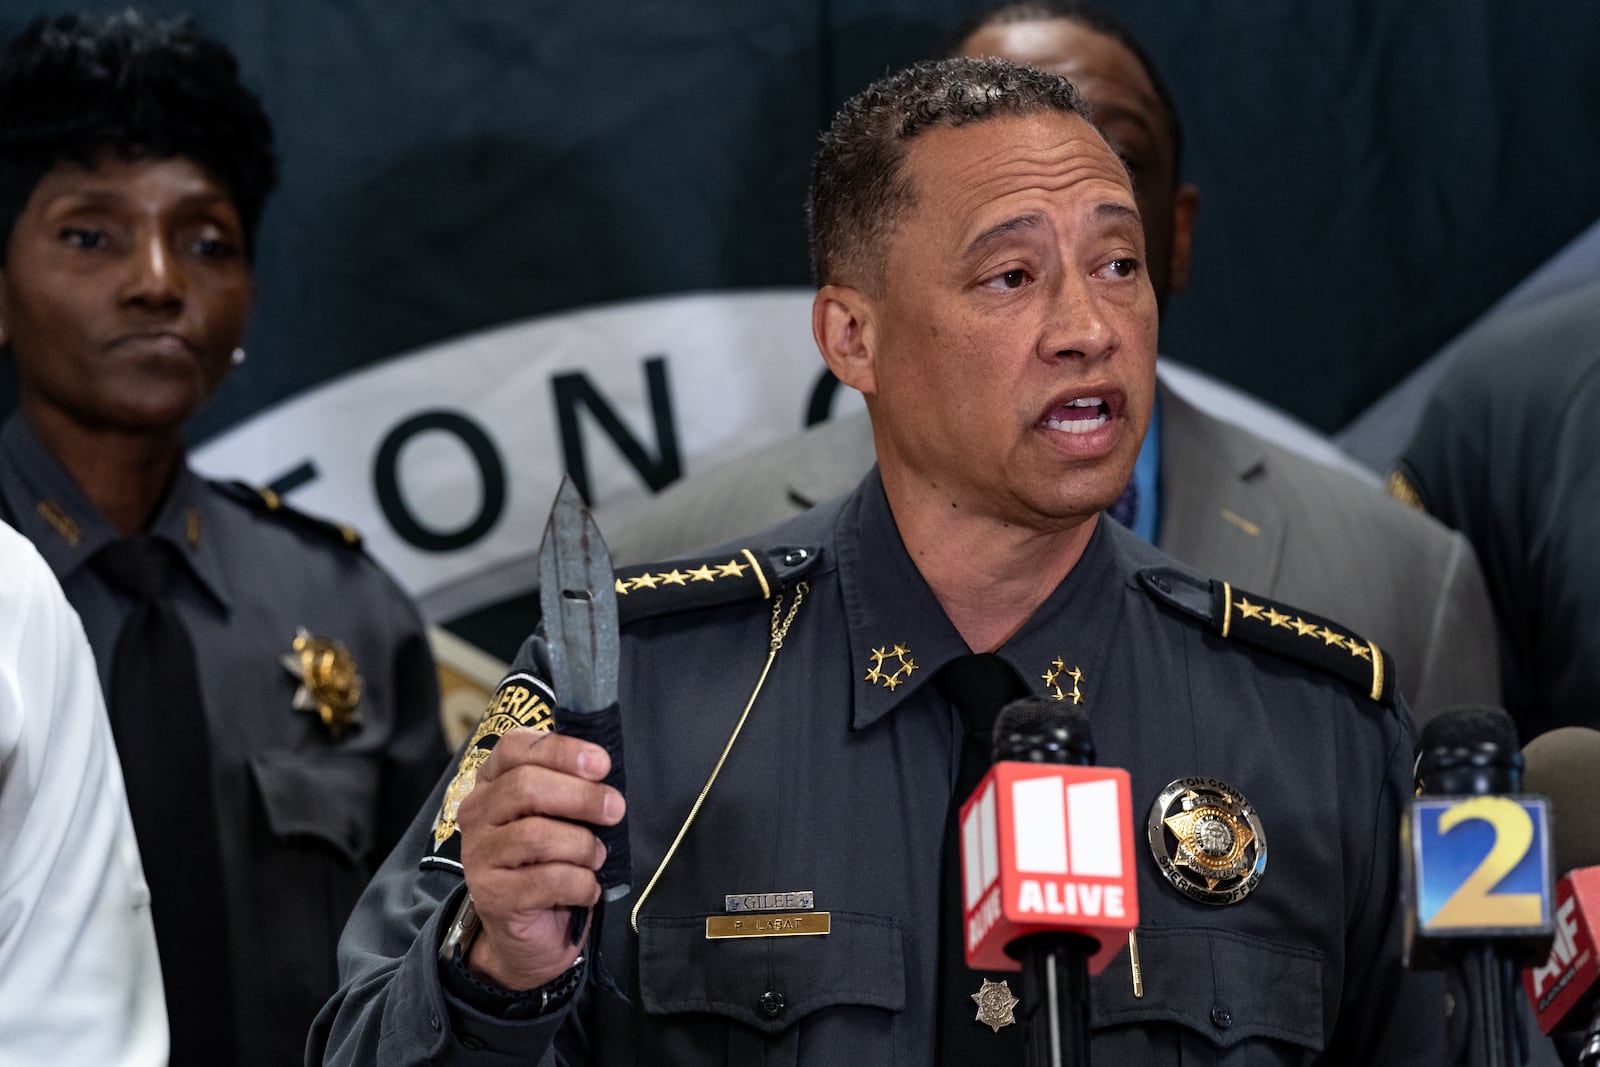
995, 1004
330, 685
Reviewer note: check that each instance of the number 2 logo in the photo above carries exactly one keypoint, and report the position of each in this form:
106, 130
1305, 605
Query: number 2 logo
1473, 903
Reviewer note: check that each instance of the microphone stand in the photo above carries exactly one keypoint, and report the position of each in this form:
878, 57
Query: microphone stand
1483, 978
1485, 987
1055, 966
1055, 999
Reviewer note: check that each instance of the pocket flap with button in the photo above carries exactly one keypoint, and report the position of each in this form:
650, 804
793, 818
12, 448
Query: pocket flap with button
1226, 986
328, 798
771, 983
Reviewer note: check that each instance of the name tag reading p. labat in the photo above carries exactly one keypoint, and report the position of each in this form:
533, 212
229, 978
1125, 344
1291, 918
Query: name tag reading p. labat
770, 924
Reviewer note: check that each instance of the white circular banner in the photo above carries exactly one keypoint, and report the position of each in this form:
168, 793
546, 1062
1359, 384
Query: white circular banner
447, 458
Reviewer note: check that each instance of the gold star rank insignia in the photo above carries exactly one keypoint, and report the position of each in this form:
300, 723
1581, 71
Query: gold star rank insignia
1053, 676
731, 569
887, 675
702, 573
995, 1004
1276, 628
330, 685
1248, 610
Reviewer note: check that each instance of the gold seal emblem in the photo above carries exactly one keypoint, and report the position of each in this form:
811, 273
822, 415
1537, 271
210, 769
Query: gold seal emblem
1207, 840
330, 685
995, 1002
520, 701
444, 824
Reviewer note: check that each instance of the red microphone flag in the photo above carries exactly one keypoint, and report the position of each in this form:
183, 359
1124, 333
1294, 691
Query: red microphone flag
1047, 848
1558, 985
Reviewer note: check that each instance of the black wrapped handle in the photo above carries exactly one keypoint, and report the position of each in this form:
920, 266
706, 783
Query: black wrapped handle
604, 728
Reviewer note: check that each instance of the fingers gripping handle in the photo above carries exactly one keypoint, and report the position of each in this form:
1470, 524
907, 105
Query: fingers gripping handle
604, 728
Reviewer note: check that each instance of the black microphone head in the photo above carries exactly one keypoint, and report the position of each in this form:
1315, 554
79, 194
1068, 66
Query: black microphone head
1469, 751
1469, 725
1040, 730
1564, 765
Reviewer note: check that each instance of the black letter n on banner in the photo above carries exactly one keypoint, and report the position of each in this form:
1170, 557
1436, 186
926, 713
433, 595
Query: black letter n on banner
571, 390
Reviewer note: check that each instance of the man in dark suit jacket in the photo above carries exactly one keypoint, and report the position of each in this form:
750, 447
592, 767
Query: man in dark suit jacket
1505, 452
1216, 496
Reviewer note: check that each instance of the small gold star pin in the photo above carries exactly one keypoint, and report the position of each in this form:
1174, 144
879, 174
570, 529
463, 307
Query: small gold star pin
330, 685
995, 1004
890, 666
1054, 679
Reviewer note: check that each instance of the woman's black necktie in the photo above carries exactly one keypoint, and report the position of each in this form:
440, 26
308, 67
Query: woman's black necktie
158, 720
979, 685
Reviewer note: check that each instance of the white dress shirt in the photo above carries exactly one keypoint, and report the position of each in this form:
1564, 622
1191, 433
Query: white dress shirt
80, 981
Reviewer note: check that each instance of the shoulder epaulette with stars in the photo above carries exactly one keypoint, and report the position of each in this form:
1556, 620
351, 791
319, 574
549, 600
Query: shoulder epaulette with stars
264, 499
1277, 628
654, 589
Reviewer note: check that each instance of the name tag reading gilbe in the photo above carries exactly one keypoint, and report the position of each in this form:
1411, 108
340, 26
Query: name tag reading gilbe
772, 924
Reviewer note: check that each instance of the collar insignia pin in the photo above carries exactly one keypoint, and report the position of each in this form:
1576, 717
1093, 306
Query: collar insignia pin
890, 666
1057, 675
330, 685
995, 1004
1207, 840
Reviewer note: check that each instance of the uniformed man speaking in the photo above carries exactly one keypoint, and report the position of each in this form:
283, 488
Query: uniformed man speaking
793, 745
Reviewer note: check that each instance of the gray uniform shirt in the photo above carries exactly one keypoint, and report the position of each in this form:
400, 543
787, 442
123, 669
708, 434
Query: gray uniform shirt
304, 817
839, 784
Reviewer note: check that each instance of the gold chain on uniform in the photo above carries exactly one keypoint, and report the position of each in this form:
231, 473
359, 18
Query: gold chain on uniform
780, 629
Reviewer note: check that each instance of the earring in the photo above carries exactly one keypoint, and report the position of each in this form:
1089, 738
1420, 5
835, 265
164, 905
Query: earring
238, 356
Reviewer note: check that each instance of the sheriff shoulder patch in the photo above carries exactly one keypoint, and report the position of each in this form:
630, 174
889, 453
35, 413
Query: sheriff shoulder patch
521, 700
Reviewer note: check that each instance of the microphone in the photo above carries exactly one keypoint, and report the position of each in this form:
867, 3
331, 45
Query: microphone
1564, 988
1048, 879
1476, 859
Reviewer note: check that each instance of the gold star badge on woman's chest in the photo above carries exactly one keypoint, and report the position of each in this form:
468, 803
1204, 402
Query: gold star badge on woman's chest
330, 685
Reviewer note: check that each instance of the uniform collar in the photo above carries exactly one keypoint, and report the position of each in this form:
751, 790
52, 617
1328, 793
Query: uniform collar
50, 508
900, 636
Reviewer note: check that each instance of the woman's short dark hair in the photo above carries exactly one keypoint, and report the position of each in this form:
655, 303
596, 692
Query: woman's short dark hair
75, 87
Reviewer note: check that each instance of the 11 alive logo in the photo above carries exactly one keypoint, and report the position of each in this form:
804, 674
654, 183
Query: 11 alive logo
1047, 847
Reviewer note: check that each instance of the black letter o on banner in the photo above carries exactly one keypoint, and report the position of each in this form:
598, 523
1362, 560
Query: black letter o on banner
386, 479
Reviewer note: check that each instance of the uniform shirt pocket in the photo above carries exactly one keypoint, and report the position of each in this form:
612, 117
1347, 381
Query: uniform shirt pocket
312, 857
752, 1002
329, 799
1225, 987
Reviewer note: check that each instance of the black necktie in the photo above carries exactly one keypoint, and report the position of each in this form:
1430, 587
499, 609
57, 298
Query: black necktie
979, 685
158, 720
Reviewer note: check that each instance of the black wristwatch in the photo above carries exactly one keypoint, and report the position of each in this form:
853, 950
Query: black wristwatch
487, 995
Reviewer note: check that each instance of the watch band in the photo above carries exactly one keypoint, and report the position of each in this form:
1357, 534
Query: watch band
484, 993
